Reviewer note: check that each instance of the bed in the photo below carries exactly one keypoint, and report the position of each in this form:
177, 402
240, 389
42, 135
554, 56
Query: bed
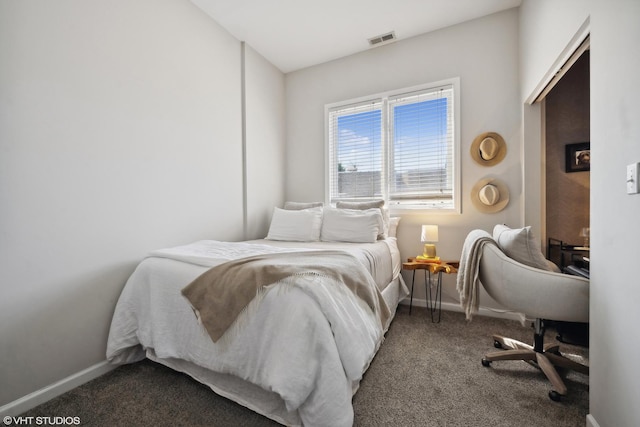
295, 354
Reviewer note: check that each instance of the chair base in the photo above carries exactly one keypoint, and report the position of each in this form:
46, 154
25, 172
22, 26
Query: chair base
546, 359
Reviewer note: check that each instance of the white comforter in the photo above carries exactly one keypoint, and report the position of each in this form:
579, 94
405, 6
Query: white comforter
309, 343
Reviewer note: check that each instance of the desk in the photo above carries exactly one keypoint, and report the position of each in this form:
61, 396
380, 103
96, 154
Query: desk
433, 303
564, 254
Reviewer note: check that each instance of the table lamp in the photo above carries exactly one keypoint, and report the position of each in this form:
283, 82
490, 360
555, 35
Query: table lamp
429, 237
584, 233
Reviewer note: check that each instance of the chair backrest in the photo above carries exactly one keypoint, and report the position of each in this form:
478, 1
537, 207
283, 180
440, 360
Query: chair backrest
535, 293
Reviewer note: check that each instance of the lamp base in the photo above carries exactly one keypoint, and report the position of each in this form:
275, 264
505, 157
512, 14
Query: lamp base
429, 254
429, 250
422, 258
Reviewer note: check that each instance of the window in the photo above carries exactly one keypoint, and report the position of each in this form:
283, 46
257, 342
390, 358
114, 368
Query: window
400, 146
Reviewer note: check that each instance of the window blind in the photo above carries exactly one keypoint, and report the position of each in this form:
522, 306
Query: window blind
355, 151
421, 134
399, 146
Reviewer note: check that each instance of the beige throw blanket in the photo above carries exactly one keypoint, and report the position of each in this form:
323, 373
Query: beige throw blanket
468, 281
219, 295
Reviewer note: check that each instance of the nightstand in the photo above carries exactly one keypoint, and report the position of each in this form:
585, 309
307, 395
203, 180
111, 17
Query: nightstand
434, 302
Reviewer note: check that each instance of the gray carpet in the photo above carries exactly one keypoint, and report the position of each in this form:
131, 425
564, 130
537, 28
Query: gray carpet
425, 374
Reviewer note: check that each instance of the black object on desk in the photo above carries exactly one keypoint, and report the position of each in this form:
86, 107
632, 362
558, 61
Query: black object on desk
576, 271
564, 254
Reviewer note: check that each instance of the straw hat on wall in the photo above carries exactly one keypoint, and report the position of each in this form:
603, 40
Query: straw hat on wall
490, 195
488, 149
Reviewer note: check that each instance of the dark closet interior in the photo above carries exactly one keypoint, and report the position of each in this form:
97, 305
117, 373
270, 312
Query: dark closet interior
567, 181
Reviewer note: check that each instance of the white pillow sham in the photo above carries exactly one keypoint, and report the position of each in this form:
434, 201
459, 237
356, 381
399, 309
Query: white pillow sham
371, 204
295, 225
521, 245
393, 226
294, 206
351, 225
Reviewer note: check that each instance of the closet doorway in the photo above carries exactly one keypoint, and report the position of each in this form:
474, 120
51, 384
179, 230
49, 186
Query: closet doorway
566, 157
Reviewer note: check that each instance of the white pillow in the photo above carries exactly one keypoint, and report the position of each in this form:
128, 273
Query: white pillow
393, 226
295, 225
521, 245
351, 225
360, 205
371, 204
294, 206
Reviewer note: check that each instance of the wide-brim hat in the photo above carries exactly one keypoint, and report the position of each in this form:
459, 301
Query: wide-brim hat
488, 149
490, 195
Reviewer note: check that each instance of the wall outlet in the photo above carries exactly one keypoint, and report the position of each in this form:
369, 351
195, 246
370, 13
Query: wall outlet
633, 186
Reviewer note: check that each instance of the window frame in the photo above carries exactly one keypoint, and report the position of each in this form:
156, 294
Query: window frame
385, 96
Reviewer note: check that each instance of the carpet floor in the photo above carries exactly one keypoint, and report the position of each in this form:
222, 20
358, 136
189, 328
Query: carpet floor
425, 374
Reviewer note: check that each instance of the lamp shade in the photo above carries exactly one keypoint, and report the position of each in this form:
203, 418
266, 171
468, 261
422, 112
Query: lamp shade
429, 233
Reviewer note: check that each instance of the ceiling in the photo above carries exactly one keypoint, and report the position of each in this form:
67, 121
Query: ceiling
294, 34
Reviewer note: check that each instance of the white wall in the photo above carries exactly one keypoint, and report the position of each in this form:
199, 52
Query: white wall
120, 132
615, 142
483, 53
615, 136
265, 119
545, 33
547, 36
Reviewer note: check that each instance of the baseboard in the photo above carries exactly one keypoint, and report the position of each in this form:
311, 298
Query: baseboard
591, 422
47, 393
482, 311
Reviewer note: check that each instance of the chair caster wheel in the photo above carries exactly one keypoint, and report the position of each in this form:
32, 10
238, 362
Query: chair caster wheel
497, 344
486, 363
555, 396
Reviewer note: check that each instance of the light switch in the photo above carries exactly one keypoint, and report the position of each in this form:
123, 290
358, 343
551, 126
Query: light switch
633, 186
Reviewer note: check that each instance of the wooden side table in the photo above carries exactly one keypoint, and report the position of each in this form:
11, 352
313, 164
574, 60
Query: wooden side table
434, 303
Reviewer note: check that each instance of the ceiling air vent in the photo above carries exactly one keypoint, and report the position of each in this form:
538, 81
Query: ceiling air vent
382, 39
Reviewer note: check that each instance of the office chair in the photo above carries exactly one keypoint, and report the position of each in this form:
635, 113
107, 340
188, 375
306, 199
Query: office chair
540, 295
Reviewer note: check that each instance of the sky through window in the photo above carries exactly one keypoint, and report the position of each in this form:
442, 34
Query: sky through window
418, 128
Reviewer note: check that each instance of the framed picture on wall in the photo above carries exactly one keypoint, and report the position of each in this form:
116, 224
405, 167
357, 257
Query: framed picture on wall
577, 157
